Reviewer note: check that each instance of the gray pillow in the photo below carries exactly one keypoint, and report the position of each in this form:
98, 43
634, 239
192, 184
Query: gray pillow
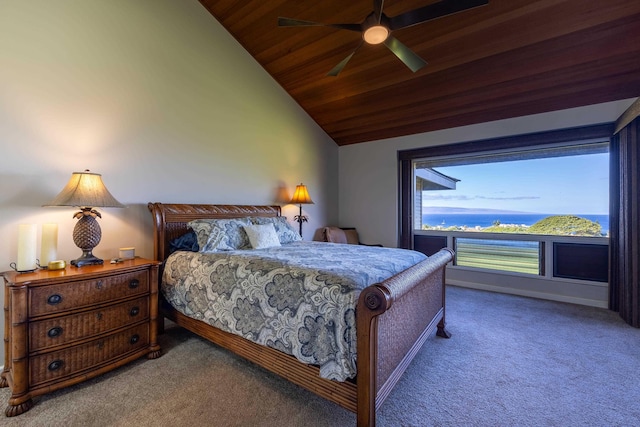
216, 235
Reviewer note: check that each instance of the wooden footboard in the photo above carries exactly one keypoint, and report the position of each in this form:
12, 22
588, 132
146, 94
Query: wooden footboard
397, 316
394, 318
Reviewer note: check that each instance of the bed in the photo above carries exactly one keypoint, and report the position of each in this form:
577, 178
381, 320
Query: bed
393, 317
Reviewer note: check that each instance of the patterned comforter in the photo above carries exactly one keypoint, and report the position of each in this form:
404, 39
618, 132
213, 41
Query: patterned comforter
299, 298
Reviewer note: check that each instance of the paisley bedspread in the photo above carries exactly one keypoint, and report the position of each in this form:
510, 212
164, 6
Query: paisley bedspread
299, 298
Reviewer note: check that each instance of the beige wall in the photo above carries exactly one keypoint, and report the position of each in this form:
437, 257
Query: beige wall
158, 98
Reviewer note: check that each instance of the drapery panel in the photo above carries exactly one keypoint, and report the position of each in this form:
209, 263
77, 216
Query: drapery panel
624, 218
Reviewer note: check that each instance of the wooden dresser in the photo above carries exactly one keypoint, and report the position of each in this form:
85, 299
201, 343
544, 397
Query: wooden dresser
66, 326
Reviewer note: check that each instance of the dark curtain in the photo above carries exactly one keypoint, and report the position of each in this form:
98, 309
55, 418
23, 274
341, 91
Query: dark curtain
624, 218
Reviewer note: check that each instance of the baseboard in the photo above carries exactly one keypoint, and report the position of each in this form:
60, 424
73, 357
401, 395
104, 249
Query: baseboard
528, 293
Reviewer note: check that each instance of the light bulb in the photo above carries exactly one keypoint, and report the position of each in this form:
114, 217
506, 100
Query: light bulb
376, 34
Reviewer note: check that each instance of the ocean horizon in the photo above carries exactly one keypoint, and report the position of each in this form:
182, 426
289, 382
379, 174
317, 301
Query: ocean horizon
488, 219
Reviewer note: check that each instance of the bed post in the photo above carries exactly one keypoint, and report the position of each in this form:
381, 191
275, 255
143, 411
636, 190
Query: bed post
372, 302
442, 331
158, 254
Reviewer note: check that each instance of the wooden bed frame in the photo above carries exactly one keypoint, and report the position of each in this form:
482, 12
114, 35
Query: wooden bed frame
393, 318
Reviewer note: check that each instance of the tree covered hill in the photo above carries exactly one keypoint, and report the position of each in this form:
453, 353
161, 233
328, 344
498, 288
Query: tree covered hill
561, 225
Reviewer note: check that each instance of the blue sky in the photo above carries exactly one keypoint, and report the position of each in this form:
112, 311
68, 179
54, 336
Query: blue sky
559, 185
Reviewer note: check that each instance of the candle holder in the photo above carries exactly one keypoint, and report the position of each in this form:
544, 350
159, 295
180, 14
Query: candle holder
15, 267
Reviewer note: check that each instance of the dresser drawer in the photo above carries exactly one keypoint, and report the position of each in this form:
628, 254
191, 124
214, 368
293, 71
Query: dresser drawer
67, 362
73, 295
58, 331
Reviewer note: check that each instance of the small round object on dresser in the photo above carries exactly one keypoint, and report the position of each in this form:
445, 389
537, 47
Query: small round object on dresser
56, 265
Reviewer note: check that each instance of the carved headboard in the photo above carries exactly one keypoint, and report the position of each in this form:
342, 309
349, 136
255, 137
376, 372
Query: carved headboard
170, 220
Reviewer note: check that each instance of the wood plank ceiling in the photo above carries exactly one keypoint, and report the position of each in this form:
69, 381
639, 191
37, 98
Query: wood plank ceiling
507, 59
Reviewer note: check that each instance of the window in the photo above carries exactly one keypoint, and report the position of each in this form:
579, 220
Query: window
560, 190
504, 204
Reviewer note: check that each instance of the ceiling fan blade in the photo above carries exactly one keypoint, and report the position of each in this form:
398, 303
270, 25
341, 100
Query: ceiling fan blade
406, 55
432, 11
290, 22
336, 70
377, 9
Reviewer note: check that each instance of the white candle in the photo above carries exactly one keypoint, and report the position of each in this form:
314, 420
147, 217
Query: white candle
49, 246
27, 242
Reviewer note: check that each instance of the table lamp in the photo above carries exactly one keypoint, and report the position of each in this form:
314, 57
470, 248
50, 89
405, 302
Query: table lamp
301, 197
86, 191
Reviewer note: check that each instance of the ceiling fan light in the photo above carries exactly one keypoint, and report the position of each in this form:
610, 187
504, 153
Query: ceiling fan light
375, 34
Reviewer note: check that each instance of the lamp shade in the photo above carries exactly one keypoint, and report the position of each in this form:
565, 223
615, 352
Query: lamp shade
301, 196
85, 189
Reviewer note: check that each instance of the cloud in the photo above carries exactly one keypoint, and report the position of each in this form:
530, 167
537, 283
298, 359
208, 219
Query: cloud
509, 198
466, 198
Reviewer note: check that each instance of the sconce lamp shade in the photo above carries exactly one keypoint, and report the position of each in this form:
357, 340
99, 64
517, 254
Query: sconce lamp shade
86, 191
301, 196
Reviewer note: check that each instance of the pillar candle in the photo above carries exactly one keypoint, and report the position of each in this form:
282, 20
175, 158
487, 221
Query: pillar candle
27, 242
49, 246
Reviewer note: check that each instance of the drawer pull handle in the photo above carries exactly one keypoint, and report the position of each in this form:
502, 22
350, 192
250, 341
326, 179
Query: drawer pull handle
134, 339
134, 283
54, 332
99, 284
54, 299
99, 315
55, 365
134, 311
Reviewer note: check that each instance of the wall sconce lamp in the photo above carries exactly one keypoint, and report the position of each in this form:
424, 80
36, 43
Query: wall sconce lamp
86, 191
301, 197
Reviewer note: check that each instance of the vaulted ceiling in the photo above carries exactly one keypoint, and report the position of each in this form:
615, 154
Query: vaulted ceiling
506, 59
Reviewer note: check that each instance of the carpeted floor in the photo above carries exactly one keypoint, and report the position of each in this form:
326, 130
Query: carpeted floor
511, 361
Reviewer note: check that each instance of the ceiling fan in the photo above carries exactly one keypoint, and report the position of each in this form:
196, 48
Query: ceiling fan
377, 28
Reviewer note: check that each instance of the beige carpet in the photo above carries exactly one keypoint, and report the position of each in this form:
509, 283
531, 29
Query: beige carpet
511, 362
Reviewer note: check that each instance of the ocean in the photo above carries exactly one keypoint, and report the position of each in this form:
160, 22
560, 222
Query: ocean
487, 220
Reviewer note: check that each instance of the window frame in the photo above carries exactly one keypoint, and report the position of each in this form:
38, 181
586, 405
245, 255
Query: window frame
581, 134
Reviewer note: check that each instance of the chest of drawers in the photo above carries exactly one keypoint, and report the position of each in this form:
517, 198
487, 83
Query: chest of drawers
63, 327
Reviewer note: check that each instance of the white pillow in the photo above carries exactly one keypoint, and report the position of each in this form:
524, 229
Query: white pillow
286, 233
262, 235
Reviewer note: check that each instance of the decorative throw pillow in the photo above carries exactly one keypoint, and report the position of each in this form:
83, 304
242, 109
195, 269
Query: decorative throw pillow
352, 236
186, 242
221, 234
202, 228
262, 236
286, 233
335, 235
